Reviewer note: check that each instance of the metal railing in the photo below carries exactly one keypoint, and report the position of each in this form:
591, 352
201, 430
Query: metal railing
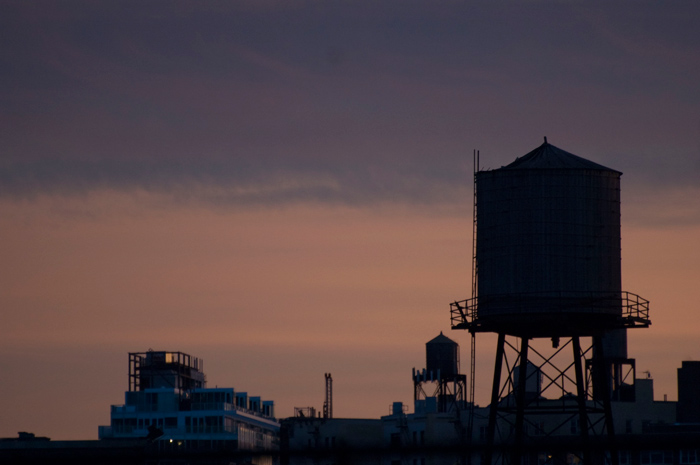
635, 308
464, 314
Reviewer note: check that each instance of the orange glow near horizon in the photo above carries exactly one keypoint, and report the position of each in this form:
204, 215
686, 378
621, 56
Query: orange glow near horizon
270, 299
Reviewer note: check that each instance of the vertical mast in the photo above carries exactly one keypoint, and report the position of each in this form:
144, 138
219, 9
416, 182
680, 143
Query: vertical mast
328, 403
472, 364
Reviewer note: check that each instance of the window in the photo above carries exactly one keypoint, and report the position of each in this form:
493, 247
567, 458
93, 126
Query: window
624, 456
689, 456
656, 457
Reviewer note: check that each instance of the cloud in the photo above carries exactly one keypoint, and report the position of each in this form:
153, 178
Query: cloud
354, 103
234, 183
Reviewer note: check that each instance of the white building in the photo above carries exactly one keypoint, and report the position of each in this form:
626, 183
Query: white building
168, 401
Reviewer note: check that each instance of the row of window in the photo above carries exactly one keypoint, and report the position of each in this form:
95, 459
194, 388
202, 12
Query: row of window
418, 438
657, 457
143, 423
652, 457
664, 457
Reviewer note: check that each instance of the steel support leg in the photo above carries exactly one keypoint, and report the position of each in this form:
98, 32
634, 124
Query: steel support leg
581, 397
516, 457
495, 390
601, 371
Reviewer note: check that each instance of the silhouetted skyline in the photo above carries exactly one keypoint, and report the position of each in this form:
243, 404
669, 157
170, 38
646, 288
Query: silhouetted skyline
285, 190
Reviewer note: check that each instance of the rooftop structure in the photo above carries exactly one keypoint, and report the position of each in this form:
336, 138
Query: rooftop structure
168, 402
548, 249
688, 399
175, 370
440, 387
547, 264
431, 434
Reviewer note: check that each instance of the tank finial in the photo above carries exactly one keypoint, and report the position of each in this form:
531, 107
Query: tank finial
545, 139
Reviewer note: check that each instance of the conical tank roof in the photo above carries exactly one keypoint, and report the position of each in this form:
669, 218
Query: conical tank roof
441, 339
547, 156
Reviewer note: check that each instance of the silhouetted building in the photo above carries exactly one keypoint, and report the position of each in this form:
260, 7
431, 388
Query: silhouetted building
688, 392
430, 435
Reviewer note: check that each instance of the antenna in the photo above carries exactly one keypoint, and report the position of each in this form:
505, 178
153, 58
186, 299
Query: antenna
328, 403
475, 268
475, 287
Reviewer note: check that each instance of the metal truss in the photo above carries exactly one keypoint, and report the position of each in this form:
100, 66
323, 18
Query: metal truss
520, 417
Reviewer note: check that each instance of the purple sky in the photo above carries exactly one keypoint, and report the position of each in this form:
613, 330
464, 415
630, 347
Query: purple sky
285, 190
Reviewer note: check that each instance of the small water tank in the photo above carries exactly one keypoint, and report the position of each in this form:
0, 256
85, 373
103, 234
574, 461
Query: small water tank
442, 353
548, 244
533, 381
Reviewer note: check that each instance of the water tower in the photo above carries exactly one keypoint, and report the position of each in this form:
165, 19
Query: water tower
547, 265
440, 387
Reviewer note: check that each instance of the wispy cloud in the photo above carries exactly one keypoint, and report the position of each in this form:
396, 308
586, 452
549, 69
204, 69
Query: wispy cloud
351, 102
